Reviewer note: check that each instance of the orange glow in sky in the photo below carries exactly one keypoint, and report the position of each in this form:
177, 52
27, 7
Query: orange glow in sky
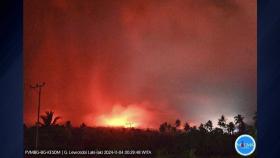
122, 116
119, 121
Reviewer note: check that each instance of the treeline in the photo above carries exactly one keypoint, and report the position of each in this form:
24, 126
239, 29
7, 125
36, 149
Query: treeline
223, 127
177, 140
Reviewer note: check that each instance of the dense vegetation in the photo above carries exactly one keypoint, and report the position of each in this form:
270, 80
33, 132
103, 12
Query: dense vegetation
169, 141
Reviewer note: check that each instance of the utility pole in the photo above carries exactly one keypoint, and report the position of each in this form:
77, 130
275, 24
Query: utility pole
38, 87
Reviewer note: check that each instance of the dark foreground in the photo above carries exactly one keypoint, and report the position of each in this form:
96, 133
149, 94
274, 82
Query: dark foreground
60, 141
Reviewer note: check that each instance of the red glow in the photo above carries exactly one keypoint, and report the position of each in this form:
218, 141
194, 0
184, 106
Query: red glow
121, 116
140, 63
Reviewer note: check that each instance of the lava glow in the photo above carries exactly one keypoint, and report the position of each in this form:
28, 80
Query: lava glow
123, 116
119, 121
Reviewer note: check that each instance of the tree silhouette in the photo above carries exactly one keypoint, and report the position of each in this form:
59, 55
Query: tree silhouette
230, 128
177, 123
49, 119
163, 127
68, 124
168, 127
203, 142
83, 125
222, 122
187, 127
218, 131
193, 129
202, 128
238, 119
209, 125
68, 128
173, 129
239, 122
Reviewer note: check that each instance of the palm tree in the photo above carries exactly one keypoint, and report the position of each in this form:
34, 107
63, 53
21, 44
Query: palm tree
209, 125
187, 127
177, 123
222, 122
49, 120
230, 128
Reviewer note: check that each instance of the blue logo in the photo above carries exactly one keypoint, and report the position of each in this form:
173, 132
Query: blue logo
245, 145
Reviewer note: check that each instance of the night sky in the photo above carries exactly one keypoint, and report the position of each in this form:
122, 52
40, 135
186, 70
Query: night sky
140, 61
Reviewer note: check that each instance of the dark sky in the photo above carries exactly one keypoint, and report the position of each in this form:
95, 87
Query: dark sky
141, 61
